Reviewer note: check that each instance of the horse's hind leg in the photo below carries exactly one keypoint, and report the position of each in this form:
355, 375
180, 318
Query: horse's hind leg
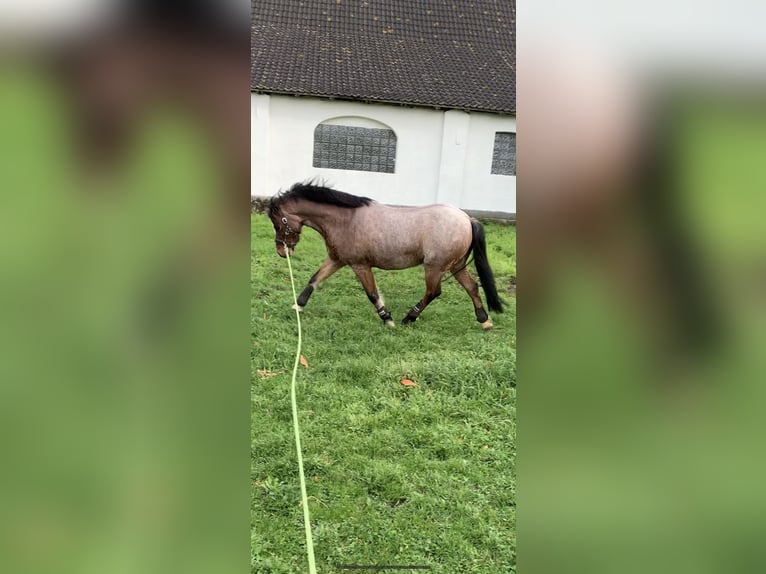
368, 282
472, 288
327, 268
433, 290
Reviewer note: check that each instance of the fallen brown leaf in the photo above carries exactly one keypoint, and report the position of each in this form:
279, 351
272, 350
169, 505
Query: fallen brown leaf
304, 362
408, 383
265, 374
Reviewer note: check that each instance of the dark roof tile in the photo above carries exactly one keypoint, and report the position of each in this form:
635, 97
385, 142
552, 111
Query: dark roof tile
441, 53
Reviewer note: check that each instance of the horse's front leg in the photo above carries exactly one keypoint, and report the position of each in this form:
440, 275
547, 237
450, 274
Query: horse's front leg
368, 282
433, 290
327, 268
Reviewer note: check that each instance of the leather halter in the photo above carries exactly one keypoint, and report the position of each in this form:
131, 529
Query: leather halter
288, 231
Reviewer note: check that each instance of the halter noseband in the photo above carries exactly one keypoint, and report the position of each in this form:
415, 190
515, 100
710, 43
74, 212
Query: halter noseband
288, 231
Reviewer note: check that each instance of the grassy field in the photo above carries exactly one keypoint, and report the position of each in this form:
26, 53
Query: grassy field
418, 475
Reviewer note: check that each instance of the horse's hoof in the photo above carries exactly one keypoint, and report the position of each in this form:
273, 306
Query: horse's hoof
390, 323
487, 325
298, 308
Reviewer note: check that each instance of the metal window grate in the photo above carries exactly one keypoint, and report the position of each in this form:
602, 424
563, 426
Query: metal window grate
354, 148
504, 154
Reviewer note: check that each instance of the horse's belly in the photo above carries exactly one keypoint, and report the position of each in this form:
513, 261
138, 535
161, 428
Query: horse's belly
392, 266
400, 261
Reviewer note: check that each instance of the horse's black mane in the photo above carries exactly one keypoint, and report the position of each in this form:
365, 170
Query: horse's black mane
317, 194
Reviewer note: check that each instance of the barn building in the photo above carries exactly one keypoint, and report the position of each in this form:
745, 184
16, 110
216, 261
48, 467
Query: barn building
409, 102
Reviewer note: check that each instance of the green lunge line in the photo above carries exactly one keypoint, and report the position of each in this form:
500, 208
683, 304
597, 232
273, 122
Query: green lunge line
304, 498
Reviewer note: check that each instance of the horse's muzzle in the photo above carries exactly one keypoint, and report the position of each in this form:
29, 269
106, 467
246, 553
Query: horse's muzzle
281, 250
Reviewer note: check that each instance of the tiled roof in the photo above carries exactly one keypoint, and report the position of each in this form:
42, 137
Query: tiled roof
441, 53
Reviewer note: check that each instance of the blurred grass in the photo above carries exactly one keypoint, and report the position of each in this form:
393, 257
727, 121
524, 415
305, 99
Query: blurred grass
396, 475
119, 423
631, 469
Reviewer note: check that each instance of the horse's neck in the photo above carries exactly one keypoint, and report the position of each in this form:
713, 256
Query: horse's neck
322, 218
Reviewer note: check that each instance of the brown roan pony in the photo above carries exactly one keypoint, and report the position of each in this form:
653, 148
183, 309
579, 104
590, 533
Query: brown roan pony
362, 233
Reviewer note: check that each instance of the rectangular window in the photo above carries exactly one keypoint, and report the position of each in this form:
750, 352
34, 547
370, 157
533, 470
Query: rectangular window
354, 148
504, 154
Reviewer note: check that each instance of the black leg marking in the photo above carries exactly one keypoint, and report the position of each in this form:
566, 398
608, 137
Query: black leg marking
481, 315
304, 296
382, 311
412, 315
384, 314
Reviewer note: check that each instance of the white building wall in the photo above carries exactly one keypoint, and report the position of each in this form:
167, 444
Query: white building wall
481, 189
442, 157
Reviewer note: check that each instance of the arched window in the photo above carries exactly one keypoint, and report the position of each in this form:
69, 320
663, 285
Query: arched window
504, 154
354, 143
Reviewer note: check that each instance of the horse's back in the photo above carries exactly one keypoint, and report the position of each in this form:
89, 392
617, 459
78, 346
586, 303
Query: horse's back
407, 236
439, 220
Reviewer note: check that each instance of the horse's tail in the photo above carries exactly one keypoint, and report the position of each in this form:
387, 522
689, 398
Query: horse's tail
479, 247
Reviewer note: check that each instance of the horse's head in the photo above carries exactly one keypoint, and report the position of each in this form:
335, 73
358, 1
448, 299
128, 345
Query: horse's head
287, 229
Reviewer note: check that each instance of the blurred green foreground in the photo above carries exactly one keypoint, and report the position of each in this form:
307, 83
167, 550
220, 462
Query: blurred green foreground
639, 459
124, 407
